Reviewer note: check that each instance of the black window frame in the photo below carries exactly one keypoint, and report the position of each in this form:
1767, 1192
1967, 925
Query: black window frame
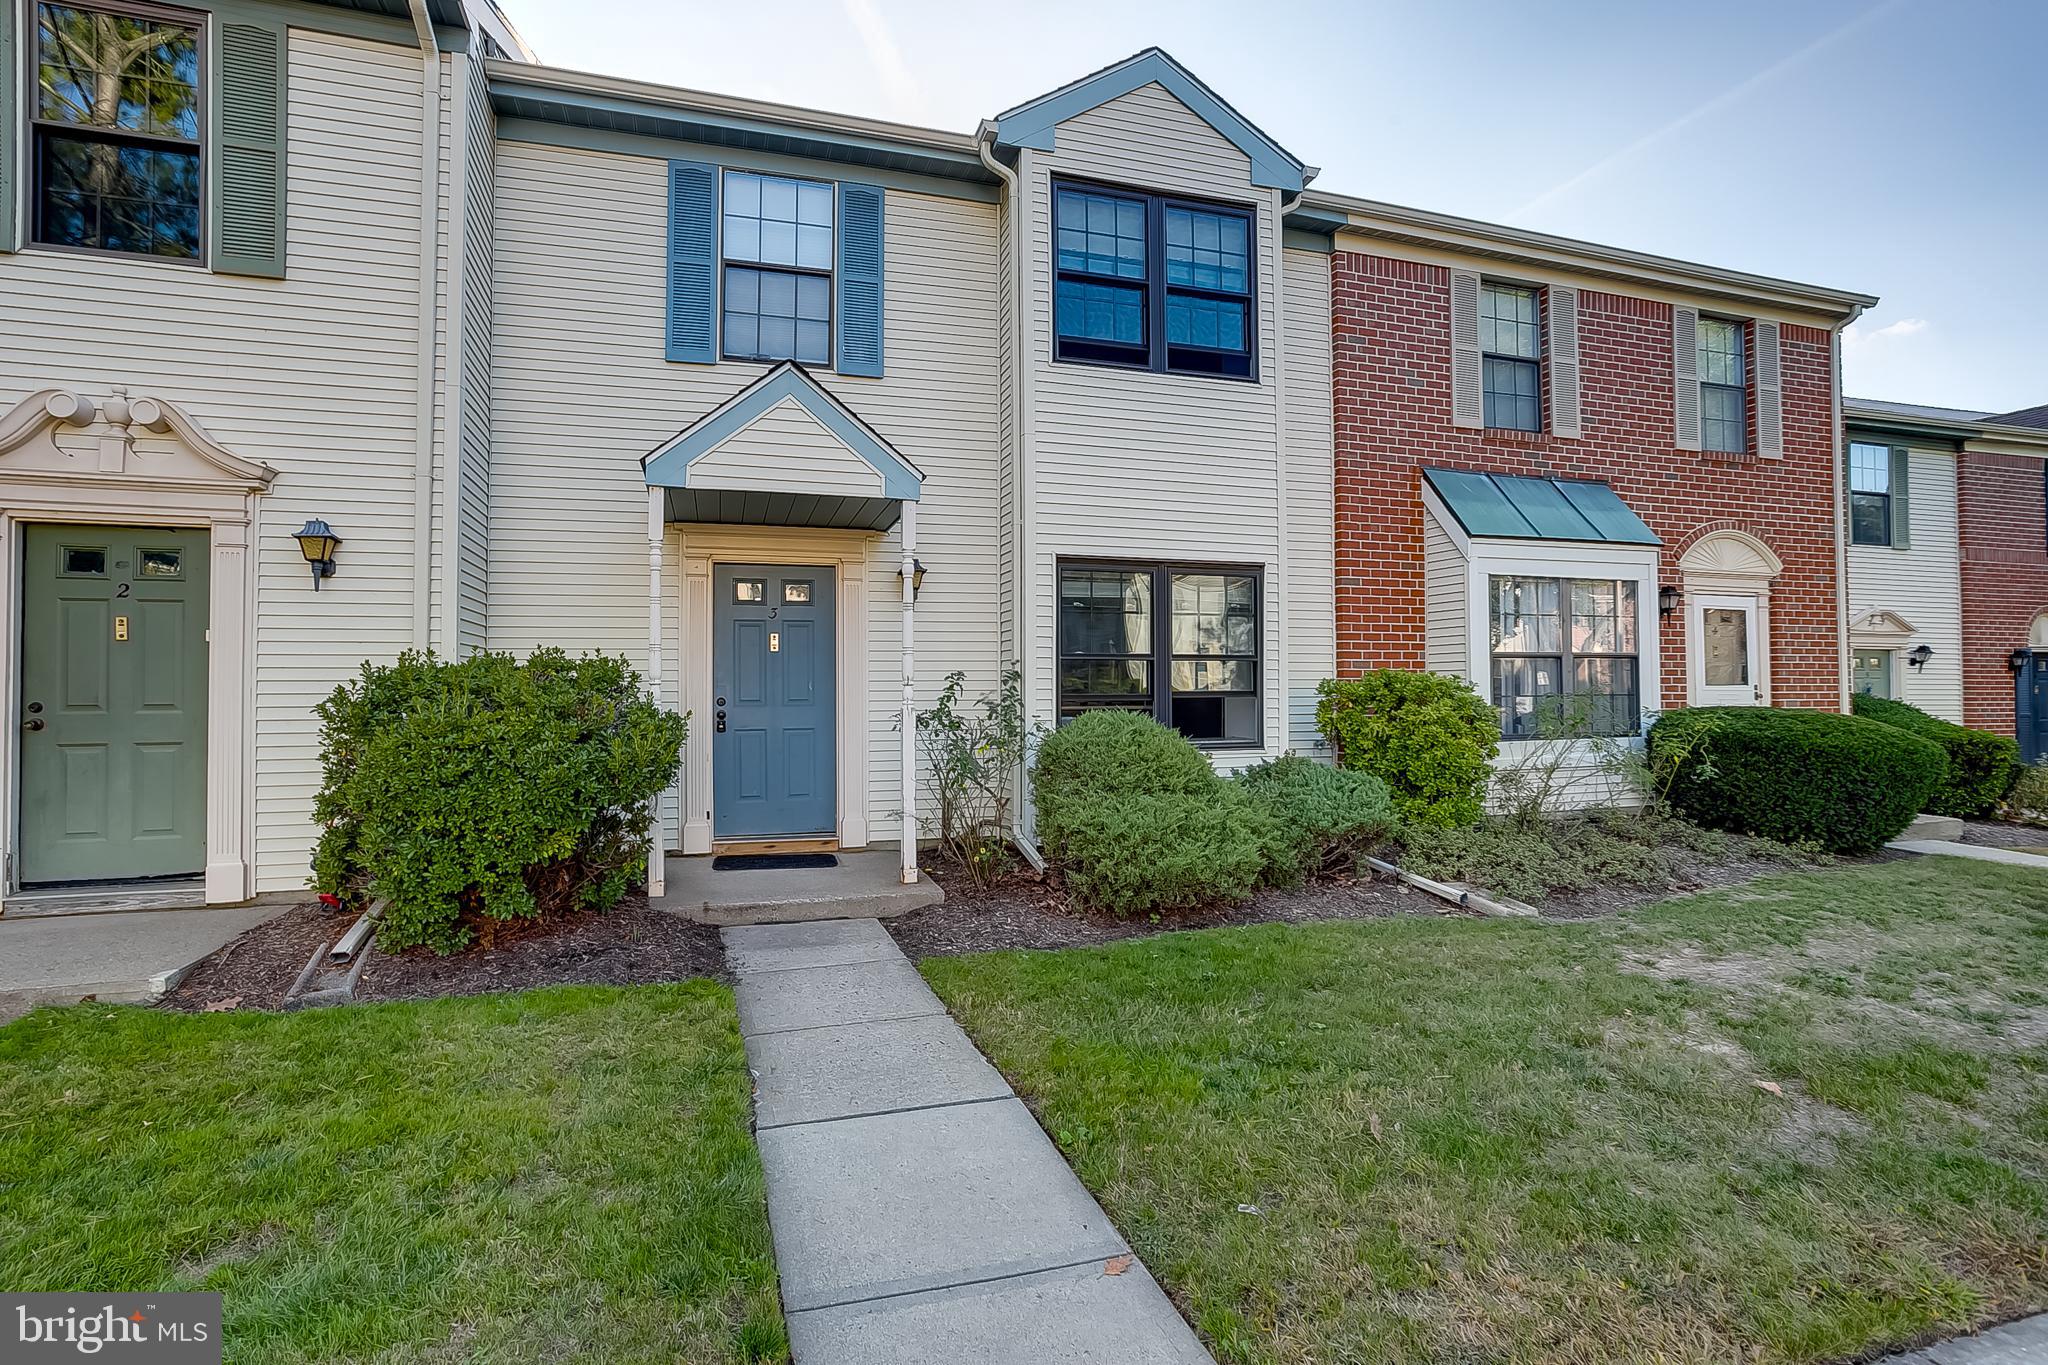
1155, 353
1565, 656
1492, 361
1159, 697
727, 264
1744, 357
1867, 497
38, 131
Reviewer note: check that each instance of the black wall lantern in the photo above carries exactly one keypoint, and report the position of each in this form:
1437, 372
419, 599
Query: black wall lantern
916, 578
2017, 660
1667, 600
1919, 655
317, 542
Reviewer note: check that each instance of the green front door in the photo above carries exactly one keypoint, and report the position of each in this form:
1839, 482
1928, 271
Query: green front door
113, 703
1873, 676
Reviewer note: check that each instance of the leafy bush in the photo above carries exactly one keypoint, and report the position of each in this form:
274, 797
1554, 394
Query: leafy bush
490, 789
1147, 853
1796, 776
1428, 736
971, 758
1119, 751
1323, 818
2028, 799
1981, 766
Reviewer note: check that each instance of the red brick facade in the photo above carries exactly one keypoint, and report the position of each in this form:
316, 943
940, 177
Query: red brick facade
1392, 322
2004, 530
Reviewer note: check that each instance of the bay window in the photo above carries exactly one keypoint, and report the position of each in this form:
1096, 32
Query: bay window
1180, 643
1564, 656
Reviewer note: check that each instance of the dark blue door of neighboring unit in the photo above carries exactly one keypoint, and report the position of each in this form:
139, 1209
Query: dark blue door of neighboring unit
774, 768
2032, 716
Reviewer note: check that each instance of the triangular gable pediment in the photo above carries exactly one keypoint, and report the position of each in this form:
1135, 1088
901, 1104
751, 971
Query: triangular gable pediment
1881, 625
1035, 124
132, 439
784, 434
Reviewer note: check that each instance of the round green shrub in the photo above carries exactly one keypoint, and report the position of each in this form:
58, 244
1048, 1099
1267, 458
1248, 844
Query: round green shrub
2028, 800
1428, 736
1795, 776
1323, 818
1118, 751
1981, 766
488, 789
1149, 853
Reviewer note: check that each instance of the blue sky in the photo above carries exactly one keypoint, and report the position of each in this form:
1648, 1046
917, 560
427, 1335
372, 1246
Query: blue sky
1894, 147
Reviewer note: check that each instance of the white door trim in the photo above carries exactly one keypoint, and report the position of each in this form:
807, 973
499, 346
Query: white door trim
121, 461
700, 549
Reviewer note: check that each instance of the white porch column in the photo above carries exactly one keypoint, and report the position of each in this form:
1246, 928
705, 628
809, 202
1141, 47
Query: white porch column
227, 684
657, 854
909, 578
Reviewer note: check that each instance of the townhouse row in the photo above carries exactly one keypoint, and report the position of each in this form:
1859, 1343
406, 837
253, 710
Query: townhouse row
805, 412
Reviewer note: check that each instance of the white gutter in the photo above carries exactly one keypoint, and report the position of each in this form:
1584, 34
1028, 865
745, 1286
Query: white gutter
1013, 195
430, 280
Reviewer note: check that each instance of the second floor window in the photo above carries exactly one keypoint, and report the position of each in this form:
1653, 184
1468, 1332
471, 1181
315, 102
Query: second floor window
1511, 342
1152, 283
778, 236
1870, 494
115, 127
1724, 380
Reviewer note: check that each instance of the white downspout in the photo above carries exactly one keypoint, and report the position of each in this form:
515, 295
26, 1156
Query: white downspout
909, 726
1841, 518
430, 280
657, 519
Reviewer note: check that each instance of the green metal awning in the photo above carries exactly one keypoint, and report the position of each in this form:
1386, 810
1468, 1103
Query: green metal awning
1515, 507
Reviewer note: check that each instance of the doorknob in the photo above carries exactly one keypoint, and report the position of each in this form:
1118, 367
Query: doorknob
33, 723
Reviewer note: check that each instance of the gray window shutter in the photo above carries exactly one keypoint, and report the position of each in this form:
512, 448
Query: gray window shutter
1562, 349
1468, 398
1685, 377
692, 262
248, 158
10, 63
860, 279
1902, 515
1770, 401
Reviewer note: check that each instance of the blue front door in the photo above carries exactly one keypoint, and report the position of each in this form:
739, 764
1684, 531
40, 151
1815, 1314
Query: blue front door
774, 760
2032, 718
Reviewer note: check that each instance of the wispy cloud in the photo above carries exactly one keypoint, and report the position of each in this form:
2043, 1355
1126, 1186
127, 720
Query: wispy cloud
1734, 94
906, 96
1856, 337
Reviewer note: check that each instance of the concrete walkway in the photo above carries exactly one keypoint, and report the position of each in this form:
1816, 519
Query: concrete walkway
920, 1215
1977, 851
2017, 1343
132, 956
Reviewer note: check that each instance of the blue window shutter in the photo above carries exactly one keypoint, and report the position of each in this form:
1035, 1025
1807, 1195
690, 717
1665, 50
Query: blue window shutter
860, 279
249, 159
692, 262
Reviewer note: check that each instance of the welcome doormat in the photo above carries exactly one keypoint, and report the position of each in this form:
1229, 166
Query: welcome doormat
770, 862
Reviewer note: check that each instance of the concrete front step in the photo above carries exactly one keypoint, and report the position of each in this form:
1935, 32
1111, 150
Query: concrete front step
1934, 827
865, 885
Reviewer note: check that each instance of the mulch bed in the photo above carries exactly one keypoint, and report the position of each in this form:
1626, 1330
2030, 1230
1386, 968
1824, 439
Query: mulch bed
1023, 911
1693, 874
629, 945
2003, 834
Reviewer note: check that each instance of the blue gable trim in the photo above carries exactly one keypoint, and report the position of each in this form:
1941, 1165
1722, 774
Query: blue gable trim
1032, 125
668, 465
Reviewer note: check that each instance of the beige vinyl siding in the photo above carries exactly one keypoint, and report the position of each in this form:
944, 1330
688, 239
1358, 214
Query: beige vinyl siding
1311, 496
1923, 585
581, 392
1446, 611
313, 374
1133, 464
1008, 511
785, 450
473, 454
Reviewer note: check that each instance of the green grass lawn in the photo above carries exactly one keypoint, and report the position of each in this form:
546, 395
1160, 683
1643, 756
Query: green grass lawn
1460, 1140
565, 1174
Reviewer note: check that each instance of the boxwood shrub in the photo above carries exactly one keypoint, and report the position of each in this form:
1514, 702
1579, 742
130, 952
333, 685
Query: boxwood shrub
1428, 736
1147, 853
490, 789
1796, 776
1323, 818
1981, 765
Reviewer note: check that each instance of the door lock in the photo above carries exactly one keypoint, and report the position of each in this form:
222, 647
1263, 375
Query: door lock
33, 723
720, 718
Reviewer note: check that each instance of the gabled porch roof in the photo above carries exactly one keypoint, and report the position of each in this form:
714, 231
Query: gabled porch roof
783, 452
